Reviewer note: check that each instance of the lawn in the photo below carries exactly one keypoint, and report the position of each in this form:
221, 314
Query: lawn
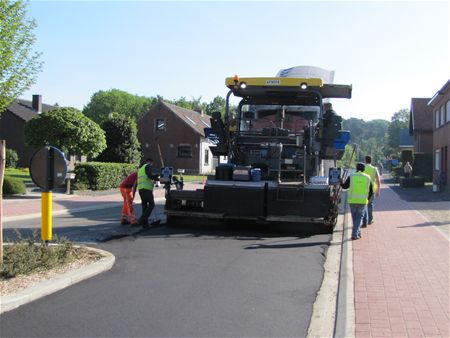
192, 178
23, 174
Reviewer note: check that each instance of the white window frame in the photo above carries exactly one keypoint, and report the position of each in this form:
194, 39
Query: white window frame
448, 111
437, 159
156, 124
184, 145
206, 157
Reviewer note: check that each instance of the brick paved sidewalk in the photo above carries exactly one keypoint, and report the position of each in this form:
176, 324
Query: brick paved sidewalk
401, 274
32, 206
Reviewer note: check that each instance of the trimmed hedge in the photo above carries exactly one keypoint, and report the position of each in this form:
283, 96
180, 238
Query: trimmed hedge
11, 158
100, 175
412, 182
423, 166
12, 186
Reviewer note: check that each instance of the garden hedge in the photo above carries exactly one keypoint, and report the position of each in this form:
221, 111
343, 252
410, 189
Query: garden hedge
412, 182
100, 175
12, 186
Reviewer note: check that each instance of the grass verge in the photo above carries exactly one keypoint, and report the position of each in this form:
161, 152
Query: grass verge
19, 173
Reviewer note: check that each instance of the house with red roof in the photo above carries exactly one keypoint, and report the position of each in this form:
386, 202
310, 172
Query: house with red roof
174, 137
440, 104
12, 125
421, 125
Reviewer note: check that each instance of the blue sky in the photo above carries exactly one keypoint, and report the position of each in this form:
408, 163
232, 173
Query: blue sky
389, 51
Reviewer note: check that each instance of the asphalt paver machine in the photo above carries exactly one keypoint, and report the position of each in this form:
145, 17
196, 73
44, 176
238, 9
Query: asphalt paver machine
277, 157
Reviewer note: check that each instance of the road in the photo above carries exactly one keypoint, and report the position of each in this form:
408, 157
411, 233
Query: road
180, 282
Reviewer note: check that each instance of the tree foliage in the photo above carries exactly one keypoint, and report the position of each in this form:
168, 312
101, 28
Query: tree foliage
399, 121
194, 104
19, 64
67, 129
122, 145
115, 102
348, 160
217, 104
370, 136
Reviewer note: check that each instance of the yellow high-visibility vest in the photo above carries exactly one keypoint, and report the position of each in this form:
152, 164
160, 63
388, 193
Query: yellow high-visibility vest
143, 181
358, 192
372, 172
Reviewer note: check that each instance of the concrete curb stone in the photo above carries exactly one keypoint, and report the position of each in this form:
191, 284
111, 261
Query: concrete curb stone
324, 308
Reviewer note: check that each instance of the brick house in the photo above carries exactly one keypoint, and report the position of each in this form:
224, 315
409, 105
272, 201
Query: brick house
421, 125
440, 104
12, 125
176, 137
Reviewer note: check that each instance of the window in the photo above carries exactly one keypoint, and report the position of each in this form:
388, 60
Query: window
442, 119
437, 159
448, 111
160, 124
436, 119
184, 150
206, 161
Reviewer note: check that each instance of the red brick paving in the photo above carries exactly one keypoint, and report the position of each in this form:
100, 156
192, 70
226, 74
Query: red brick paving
401, 273
22, 207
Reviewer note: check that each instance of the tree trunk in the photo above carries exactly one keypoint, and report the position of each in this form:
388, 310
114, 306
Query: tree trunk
2, 171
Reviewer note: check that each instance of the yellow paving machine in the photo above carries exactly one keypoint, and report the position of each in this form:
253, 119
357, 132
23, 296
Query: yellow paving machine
278, 154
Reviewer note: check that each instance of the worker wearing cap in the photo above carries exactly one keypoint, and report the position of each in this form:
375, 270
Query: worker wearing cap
358, 194
375, 181
145, 187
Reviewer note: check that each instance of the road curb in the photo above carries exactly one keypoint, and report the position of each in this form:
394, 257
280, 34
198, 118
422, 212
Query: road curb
324, 308
47, 287
345, 307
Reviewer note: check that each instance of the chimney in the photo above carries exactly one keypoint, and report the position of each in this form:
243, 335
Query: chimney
37, 103
200, 111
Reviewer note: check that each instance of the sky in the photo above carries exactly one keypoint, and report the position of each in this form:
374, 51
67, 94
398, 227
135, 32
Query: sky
388, 51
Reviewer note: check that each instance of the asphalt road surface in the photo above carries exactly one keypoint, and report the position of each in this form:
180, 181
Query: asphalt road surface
181, 282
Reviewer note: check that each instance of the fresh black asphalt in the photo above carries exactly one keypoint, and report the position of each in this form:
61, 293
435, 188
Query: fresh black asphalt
182, 282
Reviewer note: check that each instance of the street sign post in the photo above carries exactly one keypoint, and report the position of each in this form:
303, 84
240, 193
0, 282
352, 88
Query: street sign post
48, 169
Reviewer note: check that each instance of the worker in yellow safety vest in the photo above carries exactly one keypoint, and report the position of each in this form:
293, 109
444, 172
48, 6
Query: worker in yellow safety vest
376, 186
359, 192
145, 185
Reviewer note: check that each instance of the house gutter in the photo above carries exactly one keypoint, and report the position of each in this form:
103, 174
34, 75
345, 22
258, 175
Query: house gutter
436, 96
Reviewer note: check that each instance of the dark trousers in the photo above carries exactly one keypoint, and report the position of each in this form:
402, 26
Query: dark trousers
148, 203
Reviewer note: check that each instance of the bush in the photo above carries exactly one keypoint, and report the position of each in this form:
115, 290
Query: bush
397, 172
12, 186
100, 175
423, 166
11, 158
28, 255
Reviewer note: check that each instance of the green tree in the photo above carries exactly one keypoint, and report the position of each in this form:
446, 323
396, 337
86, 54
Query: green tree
121, 140
19, 64
217, 104
115, 102
348, 160
67, 129
399, 121
370, 136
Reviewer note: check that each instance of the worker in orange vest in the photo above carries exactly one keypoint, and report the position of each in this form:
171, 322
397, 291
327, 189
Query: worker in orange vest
128, 191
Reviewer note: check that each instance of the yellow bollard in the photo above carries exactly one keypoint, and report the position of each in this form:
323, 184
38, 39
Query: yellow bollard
46, 209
